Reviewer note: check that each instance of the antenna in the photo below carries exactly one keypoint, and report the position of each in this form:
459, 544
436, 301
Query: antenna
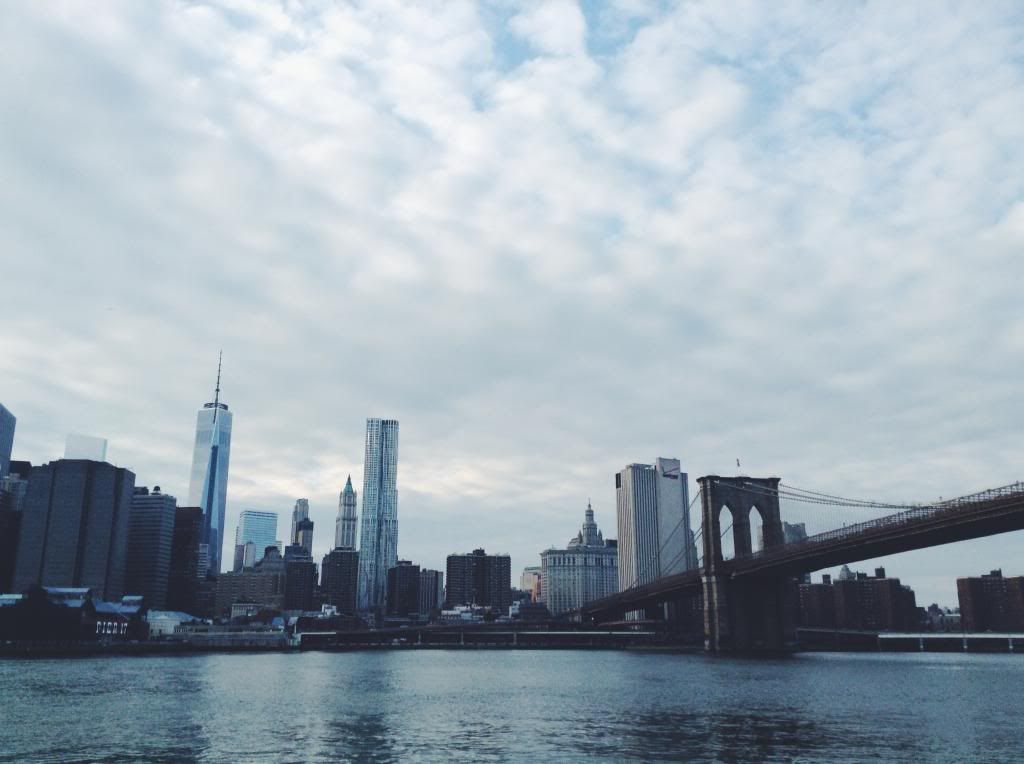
216, 392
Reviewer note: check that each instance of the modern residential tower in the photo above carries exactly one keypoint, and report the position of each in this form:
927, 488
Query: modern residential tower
208, 486
378, 536
345, 525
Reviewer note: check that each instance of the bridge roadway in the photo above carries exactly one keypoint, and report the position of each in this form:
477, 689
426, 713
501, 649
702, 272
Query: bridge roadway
992, 512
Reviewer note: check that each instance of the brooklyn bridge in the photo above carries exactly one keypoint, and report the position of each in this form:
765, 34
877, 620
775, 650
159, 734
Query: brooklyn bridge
744, 601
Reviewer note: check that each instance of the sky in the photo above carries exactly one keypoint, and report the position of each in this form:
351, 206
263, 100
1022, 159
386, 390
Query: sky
550, 239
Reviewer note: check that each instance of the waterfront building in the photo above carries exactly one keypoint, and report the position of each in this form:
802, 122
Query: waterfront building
208, 484
300, 512
85, 447
530, 582
304, 535
339, 576
7, 424
378, 533
403, 597
74, 527
858, 602
345, 525
431, 592
991, 602
652, 503
479, 578
150, 540
263, 584
586, 570
186, 569
254, 533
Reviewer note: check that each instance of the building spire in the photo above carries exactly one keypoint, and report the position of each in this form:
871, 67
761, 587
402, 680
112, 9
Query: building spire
216, 391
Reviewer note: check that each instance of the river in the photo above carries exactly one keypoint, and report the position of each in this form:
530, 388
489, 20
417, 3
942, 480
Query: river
507, 705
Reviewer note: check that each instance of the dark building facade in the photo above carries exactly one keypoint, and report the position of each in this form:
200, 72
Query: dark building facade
403, 596
339, 579
991, 603
150, 538
300, 583
479, 578
304, 535
263, 585
431, 591
184, 575
860, 603
74, 528
10, 528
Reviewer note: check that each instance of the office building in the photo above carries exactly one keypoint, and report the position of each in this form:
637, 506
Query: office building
300, 582
304, 535
208, 484
991, 602
255, 532
187, 570
74, 527
85, 447
530, 583
7, 424
263, 585
300, 512
479, 578
431, 592
339, 576
150, 542
586, 570
653, 516
403, 598
378, 534
345, 525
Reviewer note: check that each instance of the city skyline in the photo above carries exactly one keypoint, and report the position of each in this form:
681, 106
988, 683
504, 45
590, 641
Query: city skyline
564, 245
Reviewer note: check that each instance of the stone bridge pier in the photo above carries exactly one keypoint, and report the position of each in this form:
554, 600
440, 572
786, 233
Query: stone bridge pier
746, 614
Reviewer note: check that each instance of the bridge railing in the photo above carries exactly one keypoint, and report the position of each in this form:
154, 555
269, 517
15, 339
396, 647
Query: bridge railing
1011, 492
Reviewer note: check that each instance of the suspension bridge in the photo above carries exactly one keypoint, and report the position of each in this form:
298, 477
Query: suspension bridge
741, 591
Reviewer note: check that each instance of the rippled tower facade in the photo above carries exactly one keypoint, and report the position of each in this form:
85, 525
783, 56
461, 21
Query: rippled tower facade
378, 533
345, 525
208, 486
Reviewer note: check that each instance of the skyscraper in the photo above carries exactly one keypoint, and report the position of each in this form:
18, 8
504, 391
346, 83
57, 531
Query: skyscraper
301, 512
378, 536
7, 423
339, 574
150, 538
208, 487
479, 578
258, 529
587, 569
653, 512
186, 571
345, 525
304, 535
74, 528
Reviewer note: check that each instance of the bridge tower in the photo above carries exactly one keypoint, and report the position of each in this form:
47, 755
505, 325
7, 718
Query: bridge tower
748, 614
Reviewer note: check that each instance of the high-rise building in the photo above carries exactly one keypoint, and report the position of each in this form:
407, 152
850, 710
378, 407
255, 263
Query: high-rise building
74, 528
378, 534
300, 583
258, 529
404, 589
208, 486
991, 602
431, 591
481, 579
586, 570
7, 424
150, 539
301, 512
345, 525
186, 569
530, 582
339, 576
304, 535
653, 512
85, 447
858, 602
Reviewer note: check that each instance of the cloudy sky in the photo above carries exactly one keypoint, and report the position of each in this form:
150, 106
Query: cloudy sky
550, 239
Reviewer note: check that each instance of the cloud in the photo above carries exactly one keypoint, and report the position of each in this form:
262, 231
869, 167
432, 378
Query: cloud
549, 240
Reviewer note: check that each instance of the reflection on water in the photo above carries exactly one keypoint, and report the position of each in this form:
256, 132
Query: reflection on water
509, 706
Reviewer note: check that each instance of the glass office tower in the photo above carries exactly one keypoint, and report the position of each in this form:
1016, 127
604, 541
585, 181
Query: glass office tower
378, 536
258, 529
208, 487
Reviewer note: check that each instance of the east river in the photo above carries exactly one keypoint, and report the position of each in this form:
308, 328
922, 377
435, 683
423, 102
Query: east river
506, 705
